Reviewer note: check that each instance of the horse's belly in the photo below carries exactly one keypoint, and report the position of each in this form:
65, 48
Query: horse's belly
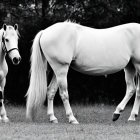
100, 66
99, 57
97, 70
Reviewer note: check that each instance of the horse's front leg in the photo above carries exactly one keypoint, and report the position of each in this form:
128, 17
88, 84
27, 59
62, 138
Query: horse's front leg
136, 106
3, 114
130, 90
135, 110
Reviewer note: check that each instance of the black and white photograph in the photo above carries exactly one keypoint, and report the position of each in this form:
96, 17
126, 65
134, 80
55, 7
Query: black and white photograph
69, 69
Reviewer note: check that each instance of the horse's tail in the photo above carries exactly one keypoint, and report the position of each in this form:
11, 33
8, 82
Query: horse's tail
36, 93
136, 79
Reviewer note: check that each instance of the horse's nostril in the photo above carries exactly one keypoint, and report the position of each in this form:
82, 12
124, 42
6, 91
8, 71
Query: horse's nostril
15, 60
19, 59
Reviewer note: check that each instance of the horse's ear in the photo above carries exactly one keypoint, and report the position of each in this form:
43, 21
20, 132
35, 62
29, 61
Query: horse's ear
16, 26
4, 26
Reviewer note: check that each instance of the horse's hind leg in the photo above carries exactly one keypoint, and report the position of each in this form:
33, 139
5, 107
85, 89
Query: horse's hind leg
3, 113
61, 71
130, 90
136, 105
52, 88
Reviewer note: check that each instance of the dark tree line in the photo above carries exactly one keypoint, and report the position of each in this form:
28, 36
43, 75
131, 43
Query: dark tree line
34, 15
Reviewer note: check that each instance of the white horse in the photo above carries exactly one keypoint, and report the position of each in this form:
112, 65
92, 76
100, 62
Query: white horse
8, 46
87, 50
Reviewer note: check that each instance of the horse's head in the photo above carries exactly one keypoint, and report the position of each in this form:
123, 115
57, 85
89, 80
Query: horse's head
10, 43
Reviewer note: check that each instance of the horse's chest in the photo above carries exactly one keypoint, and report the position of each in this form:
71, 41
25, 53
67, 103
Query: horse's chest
4, 69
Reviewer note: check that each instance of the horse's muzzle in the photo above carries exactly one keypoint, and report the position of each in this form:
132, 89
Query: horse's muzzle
16, 60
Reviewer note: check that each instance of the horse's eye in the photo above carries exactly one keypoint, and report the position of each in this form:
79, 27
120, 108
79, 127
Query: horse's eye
7, 40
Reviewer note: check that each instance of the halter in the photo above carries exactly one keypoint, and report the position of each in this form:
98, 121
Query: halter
4, 46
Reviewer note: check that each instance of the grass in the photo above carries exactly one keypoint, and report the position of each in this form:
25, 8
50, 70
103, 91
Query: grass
95, 124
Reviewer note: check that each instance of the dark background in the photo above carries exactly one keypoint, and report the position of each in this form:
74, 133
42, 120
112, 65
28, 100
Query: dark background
34, 15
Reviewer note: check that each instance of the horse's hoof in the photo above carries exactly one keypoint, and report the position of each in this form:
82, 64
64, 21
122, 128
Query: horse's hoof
5, 120
54, 121
132, 118
0, 119
74, 122
115, 117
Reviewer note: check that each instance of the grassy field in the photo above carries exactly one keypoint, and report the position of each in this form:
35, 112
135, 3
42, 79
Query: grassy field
95, 124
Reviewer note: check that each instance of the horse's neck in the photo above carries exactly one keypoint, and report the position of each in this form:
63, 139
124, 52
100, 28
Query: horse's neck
1, 33
2, 54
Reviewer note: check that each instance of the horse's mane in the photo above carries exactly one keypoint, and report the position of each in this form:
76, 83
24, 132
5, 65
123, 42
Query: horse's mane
12, 28
70, 21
